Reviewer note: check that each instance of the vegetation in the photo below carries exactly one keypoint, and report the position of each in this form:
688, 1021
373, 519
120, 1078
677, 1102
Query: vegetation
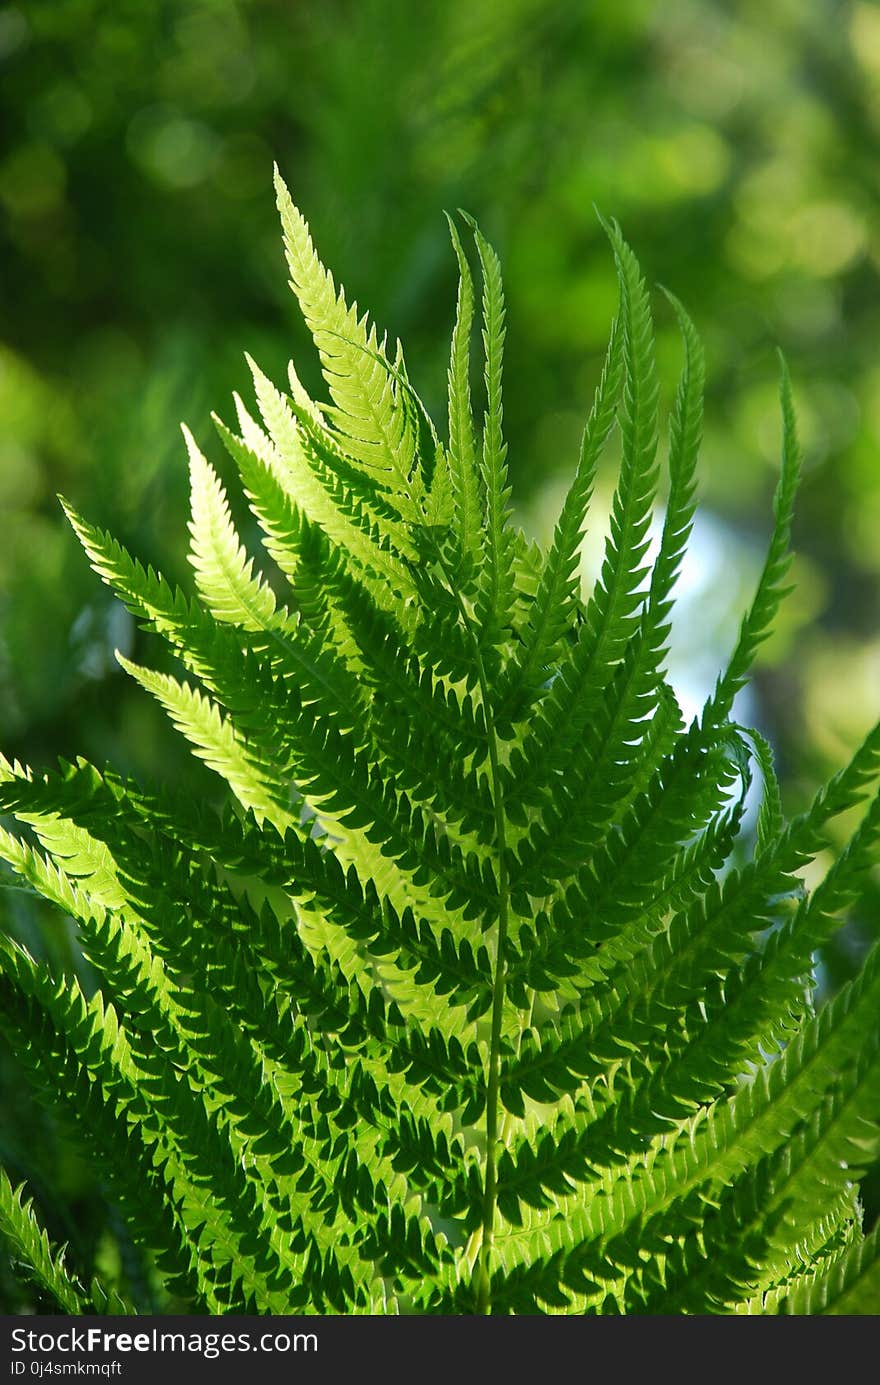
476, 993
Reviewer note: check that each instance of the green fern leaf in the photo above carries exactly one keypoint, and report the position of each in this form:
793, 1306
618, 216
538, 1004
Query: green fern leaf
462, 444
474, 991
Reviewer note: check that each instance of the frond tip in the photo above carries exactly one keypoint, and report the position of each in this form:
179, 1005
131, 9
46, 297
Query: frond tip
473, 991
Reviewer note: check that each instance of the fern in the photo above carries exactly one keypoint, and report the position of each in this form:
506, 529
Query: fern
471, 994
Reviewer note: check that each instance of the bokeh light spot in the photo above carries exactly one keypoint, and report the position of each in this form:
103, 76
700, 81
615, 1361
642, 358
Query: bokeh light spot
171, 149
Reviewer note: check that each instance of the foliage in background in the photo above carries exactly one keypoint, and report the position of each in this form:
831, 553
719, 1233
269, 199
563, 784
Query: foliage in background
470, 997
738, 144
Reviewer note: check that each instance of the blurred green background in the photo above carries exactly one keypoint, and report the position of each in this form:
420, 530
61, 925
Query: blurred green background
736, 143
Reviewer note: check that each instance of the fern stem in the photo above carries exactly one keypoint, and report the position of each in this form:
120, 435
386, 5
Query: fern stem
484, 1284
490, 1187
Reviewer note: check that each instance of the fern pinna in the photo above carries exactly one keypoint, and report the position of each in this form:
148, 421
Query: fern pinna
475, 996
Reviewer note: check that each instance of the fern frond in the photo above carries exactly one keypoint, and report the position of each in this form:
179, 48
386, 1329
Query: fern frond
365, 407
462, 443
757, 623
215, 741
471, 990
30, 1245
346, 518
551, 612
224, 573
609, 611
495, 597
851, 1286
283, 524
612, 613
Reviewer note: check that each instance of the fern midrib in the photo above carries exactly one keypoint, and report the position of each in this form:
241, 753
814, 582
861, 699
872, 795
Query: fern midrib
484, 1300
490, 1186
